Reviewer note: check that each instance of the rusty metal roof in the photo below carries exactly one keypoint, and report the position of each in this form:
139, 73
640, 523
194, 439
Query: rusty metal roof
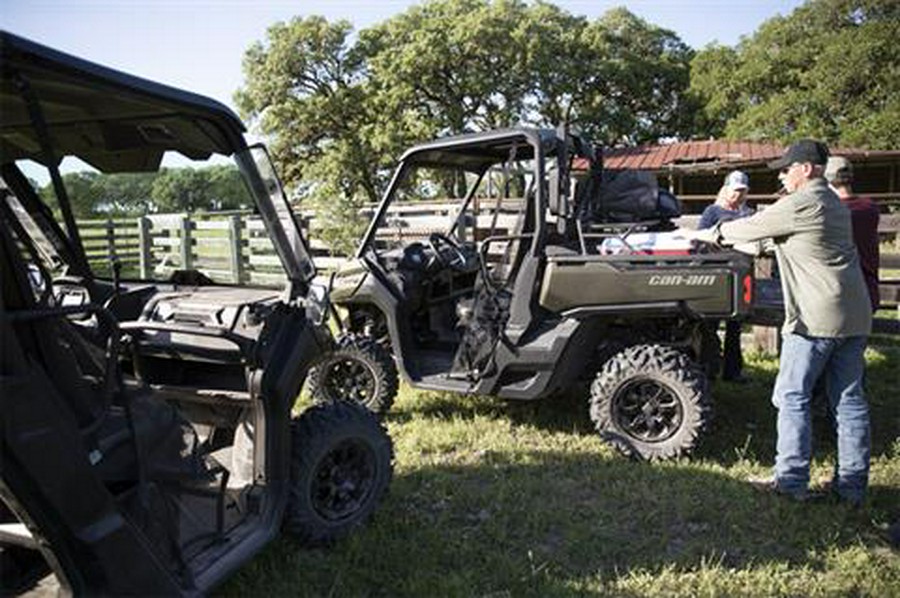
690, 153
713, 154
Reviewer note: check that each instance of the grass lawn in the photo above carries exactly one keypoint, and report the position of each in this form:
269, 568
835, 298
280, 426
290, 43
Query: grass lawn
510, 499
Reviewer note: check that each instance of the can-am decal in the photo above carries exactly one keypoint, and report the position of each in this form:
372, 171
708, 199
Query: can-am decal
687, 280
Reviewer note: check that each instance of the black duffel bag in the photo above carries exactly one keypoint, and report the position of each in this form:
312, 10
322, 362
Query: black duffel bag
633, 196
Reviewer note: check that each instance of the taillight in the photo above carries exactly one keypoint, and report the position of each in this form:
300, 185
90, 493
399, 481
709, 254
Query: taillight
748, 289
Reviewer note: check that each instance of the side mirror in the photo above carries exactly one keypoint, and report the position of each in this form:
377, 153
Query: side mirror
559, 178
559, 193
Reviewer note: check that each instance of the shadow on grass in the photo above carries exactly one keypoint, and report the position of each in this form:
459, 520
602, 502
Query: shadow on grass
551, 523
446, 405
554, 523
743, 425
884, 340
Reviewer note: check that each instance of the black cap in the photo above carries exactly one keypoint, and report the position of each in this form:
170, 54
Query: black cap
805, 150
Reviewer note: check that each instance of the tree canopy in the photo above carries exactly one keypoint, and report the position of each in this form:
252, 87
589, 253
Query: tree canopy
830, 70
93, 194
340, 108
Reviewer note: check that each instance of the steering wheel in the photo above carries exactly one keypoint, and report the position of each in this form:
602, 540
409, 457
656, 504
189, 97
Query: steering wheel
458, 259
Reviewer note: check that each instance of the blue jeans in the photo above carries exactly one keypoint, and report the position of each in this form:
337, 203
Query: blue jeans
803, 360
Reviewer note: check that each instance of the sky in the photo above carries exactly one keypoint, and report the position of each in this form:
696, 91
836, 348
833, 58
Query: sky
198, 44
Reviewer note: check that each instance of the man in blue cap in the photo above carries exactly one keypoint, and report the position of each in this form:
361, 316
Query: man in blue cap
730, 204
827, 321
731, 201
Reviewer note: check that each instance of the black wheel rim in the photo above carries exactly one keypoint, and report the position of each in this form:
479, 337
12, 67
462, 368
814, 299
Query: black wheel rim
648, 410
350, 380
343, 481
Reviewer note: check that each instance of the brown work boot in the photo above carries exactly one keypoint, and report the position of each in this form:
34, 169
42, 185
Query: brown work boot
828, 488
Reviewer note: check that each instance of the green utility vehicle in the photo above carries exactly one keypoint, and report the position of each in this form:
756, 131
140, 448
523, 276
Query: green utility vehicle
510, 264
146, 428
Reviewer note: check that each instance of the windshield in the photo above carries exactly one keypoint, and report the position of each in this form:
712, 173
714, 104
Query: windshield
428, 199
294, 245
189, 215
465, 204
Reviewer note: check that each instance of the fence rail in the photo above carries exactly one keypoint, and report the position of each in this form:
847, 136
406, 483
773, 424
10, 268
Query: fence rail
229, 247
234, 246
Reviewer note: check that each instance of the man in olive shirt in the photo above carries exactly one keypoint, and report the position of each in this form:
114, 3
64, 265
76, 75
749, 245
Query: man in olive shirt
827, 319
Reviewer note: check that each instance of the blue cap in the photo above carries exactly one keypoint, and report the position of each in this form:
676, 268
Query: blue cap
737, 179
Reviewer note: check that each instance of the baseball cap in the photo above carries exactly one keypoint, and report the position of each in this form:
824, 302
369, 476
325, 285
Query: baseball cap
839, 170
737, 180
805, 150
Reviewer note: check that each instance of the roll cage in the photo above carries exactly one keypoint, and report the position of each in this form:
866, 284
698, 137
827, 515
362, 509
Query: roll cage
57, 105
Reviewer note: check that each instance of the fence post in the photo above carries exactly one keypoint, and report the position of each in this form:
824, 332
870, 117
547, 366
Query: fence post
187, 256
110, 228
146, 244
235, 249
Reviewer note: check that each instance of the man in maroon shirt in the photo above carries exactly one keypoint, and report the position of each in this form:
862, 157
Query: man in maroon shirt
864, 214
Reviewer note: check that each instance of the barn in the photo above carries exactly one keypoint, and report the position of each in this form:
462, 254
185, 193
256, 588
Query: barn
694, 170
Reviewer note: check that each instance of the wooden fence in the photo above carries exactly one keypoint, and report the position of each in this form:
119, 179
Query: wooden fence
234, 247
227, 246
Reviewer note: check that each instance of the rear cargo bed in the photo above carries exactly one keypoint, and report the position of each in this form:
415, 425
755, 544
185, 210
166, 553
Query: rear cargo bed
708, 285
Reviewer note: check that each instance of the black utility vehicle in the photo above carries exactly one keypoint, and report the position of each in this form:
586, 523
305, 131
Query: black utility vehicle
148, 446
584, 284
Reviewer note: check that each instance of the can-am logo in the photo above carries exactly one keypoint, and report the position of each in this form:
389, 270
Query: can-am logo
690, 280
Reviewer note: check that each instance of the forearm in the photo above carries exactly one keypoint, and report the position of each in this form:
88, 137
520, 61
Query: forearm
772, 222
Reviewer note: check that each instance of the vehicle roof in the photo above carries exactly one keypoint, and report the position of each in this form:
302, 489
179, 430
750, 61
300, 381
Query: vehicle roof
110, 119
477, 150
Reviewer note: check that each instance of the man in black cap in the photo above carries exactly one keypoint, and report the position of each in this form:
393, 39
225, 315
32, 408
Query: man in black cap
827, 320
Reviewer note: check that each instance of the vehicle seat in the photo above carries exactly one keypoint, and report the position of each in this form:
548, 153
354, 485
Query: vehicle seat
87, 381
